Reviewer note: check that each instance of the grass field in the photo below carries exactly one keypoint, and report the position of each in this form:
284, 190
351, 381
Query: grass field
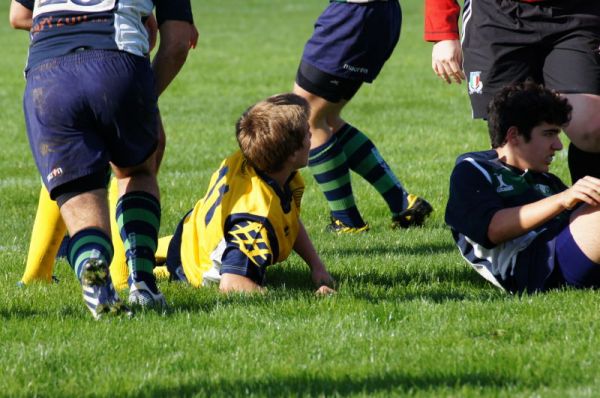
410, 318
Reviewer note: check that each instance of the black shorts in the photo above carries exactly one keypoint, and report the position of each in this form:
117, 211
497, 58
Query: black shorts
332, 88
506, 41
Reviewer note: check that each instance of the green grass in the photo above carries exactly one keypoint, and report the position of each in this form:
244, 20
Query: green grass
410, 317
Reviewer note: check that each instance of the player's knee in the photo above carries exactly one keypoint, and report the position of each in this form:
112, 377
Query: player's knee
585, 135
584, 128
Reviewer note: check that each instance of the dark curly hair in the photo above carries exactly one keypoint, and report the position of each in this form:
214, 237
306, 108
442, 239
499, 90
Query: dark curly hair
525, 105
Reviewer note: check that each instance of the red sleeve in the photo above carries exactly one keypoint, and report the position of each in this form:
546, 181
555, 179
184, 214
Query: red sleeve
441, 20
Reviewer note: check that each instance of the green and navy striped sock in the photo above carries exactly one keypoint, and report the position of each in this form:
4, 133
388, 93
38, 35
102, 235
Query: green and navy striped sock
87, 244
365, 160
328, 165
138, 218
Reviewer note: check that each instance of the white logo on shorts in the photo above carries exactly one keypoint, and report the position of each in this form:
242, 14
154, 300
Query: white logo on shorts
356, 69
475, 83
57, 172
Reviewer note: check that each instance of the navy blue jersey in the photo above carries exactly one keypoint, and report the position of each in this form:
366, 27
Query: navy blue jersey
63, 26
480, 186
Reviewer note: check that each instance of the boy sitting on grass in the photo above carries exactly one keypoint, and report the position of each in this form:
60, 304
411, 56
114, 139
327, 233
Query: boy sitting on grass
250, 215
519, 226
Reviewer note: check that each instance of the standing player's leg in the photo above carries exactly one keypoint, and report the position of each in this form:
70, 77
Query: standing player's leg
138, 218
349, 46
84, 209
118, 267
364, 158
90, 248
71, 159
133, 149
584, 133
49, 232
337, 147
329, 165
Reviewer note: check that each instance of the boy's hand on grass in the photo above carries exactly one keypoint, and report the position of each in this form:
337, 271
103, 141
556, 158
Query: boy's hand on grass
323, 281
324, 290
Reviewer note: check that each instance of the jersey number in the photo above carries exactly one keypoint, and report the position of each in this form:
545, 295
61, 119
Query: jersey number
45, 6
221, 189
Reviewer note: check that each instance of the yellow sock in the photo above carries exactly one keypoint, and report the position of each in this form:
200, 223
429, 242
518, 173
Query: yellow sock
162, 248
160, 271
47, 234
118, 266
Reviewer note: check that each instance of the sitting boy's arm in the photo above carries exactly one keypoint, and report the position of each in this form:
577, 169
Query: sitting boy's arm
245, 258
511, 222
305, 249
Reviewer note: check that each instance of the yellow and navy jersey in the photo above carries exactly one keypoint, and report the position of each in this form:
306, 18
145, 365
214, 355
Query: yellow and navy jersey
244, 223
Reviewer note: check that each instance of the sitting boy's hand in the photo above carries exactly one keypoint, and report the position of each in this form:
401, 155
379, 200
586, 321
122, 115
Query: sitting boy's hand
323, 281
586, 189
324, 290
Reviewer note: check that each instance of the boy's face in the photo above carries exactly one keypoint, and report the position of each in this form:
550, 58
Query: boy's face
537, 154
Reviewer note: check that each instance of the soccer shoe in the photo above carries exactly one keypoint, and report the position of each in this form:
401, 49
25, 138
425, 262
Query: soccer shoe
99, 293
339, 227
140, 294
415, 214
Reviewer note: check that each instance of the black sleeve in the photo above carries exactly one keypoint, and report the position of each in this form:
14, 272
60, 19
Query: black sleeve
472, 203
174, 10
26, 3
559, 186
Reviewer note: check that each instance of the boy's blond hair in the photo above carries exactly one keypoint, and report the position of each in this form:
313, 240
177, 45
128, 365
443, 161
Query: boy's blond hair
270, 131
